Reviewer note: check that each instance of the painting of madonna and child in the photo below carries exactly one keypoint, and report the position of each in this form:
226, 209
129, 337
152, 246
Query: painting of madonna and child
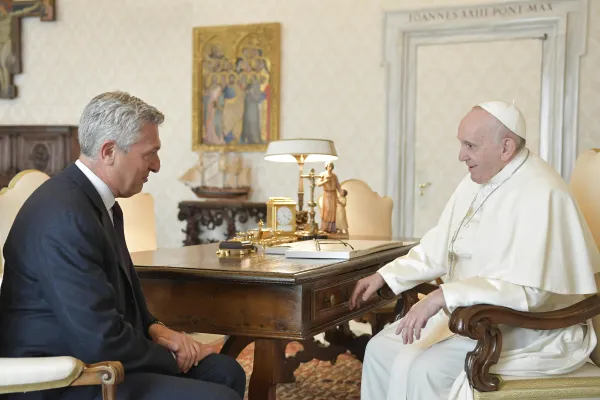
236, 87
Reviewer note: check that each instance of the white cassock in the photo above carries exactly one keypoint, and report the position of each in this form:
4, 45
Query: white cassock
518, 241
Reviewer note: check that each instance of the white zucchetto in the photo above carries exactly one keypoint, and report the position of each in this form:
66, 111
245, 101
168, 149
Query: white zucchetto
508, 114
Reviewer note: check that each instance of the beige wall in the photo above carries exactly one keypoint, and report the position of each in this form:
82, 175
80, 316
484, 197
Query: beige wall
333, 82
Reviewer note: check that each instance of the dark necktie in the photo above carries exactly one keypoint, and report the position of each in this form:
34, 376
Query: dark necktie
121, 243
132, 313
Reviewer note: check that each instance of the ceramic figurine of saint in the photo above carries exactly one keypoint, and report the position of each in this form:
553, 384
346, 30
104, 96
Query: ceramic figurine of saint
331, 187
341, 223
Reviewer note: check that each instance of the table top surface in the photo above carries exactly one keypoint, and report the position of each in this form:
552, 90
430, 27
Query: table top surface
202, 261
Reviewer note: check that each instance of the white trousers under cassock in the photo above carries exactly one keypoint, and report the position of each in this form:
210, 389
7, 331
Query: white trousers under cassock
428, 368
425, 369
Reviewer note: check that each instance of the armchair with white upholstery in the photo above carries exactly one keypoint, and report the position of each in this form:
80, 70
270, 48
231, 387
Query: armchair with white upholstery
11, 199
43, 373
480, 322
139, 222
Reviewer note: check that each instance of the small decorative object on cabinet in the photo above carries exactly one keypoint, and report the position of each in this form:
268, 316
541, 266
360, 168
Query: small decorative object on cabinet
219, 176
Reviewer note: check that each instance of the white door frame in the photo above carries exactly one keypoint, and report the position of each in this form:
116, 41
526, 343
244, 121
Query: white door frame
561, 24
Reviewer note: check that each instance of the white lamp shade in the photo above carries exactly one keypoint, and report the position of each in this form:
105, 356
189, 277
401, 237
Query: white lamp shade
312, 150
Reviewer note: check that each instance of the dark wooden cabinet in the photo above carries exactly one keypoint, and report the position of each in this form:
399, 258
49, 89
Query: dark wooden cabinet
204, 216
48, 148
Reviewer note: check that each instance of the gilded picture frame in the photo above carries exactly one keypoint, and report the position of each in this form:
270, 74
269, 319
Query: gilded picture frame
236, 78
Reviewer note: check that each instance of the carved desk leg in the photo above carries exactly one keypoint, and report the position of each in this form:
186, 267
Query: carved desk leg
313, 349
264, 374
340, 340
285, 365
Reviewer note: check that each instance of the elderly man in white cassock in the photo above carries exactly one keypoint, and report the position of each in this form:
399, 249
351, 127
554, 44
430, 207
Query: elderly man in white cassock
511, 235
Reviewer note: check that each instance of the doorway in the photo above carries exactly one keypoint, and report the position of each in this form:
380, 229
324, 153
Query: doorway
442, 61
452, 78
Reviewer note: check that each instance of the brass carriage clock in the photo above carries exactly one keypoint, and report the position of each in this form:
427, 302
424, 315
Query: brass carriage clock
281, 215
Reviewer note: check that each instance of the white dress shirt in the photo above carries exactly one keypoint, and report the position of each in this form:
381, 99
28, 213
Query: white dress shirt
108, 198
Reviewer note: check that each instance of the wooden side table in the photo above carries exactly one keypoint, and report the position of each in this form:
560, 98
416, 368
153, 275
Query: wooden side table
203, 216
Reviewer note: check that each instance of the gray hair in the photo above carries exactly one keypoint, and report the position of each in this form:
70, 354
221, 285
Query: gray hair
114, 116
502, 132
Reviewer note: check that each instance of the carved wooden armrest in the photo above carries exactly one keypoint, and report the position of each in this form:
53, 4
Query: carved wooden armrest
108, 374
386, 292
480, 322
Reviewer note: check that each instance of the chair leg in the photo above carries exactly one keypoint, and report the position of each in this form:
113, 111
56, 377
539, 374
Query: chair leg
109, 392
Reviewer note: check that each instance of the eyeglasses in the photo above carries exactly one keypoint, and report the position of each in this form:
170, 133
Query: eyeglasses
319, 242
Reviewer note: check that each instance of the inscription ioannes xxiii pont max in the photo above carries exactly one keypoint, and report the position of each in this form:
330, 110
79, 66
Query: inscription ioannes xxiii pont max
481, 12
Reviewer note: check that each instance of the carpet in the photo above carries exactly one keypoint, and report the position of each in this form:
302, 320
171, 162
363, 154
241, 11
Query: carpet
315, 380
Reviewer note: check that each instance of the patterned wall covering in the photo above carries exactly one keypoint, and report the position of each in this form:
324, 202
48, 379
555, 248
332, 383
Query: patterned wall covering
332, 79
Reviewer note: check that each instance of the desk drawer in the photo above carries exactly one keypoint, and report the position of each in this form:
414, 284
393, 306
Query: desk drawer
331, 301
333, 296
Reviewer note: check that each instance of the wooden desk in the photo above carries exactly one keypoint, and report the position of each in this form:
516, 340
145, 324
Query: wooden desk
263, 298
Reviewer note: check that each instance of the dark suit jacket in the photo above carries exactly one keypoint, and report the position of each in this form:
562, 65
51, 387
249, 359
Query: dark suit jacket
67, 290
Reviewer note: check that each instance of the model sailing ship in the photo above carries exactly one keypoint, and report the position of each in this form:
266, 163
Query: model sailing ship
219, 176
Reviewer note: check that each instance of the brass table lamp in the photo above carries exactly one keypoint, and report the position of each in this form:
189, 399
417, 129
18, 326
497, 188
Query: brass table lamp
311, 227
301, 151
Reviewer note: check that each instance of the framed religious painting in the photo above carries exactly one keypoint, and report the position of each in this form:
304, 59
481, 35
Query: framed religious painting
236, 87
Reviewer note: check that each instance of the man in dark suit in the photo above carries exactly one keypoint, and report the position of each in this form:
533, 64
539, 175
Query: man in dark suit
70, 288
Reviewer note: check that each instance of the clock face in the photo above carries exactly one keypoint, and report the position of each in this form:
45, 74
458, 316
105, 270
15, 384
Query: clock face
284, 216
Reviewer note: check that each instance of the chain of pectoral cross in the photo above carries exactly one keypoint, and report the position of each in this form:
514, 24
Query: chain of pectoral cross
470, 214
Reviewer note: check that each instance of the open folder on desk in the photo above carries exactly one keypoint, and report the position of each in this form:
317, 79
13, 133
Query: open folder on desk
334, 248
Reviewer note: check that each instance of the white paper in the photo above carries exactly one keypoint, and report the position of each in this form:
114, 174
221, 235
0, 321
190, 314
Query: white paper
333, 248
